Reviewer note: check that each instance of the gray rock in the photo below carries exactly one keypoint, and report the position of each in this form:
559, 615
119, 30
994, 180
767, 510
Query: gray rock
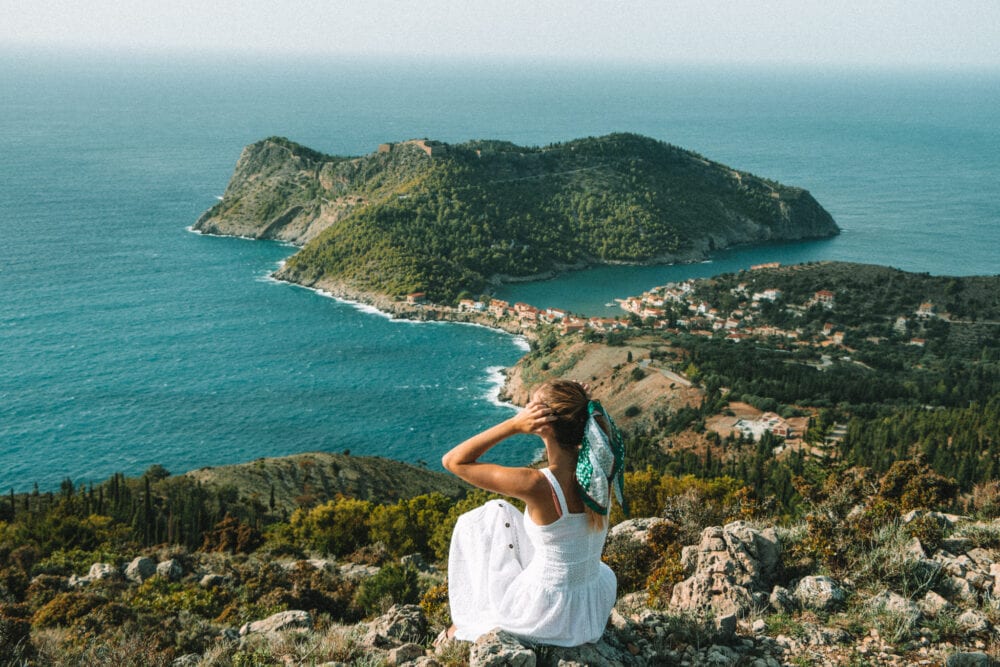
100, 571
970, 659
981, 557
187, 660
426, 661
285, 620
974, 621
357, 572
401, 624
500, 649
725, 626
212, 581
170, 570
637, 530
417, 561
781, 600
933, 604
895, 604
587, 655
719, 655
915, 548
819, 593
140, 569
727, 567
946, 520
405, 653
961, 589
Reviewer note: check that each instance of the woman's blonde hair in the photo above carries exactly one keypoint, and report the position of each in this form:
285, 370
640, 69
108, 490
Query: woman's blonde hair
569, 402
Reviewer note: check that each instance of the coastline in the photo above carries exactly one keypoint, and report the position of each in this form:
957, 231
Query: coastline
393, 309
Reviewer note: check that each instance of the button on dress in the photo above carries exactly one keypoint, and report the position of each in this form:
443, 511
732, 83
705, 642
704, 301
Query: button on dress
546, 584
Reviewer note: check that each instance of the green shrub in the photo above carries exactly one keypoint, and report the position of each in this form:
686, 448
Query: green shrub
65, 608
336, 527
394, 584
408, 526
434, 604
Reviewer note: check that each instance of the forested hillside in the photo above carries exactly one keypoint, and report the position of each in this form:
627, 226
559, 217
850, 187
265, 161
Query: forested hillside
438, 218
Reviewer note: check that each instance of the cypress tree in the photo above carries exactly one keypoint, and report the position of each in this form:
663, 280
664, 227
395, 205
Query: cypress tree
147, 512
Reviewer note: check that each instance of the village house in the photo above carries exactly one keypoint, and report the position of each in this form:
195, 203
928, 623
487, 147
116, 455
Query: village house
499, 307
554, 314
926, 309
471, 306
521, 307
824, 298
603, 323
631, 305
416, 297
528, 316
767, 422
918, 342
737, 336
767, 295
828, 329
655, 313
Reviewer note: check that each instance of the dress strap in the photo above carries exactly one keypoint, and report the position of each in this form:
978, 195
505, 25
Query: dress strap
557, 490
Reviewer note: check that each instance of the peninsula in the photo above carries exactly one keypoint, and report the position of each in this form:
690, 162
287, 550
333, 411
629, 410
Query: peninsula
447, 221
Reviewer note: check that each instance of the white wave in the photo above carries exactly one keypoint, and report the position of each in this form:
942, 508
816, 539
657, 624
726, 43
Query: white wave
220, 236
496, 380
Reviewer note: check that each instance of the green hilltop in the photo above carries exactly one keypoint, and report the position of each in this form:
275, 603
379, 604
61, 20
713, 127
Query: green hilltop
446, 218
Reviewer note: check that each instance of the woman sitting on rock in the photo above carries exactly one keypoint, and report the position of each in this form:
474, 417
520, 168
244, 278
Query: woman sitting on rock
538, 575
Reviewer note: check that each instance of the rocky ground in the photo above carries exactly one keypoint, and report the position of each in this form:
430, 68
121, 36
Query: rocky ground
736, 605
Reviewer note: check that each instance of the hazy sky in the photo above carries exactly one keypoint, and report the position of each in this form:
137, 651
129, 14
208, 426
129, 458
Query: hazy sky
945, 33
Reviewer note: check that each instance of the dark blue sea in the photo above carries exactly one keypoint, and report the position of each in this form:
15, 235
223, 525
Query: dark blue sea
127, 341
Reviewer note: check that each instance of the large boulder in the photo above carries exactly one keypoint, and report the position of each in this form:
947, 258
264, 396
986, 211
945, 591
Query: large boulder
140, 569
730, 568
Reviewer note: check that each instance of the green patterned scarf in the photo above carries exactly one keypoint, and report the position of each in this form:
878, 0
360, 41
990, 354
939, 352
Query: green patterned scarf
601, 463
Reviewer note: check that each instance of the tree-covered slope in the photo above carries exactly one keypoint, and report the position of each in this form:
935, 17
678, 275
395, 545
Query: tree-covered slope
445, 218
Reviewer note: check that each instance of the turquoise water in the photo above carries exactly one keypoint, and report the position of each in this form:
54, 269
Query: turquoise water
126, 340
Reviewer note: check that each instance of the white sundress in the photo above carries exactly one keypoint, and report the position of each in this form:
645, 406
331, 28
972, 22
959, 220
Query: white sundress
546, 584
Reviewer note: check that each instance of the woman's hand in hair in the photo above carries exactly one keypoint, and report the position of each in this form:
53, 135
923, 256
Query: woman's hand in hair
533, 419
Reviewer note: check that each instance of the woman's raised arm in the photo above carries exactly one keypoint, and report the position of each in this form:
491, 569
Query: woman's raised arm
523, 483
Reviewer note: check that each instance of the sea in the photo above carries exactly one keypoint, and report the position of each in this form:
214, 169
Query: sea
126, 340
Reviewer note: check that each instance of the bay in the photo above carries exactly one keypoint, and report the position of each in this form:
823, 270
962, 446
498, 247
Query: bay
126, 340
